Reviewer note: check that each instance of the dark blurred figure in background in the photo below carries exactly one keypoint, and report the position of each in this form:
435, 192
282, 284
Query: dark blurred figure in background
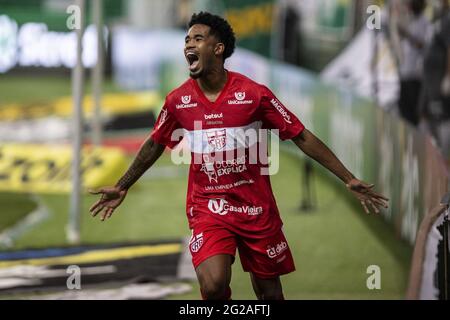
436, 79
413, 35
292, 36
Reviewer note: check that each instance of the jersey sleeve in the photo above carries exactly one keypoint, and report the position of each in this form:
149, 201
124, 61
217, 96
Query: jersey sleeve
276, 116
165, 126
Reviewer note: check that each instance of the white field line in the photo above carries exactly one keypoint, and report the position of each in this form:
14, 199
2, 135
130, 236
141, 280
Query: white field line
8, 236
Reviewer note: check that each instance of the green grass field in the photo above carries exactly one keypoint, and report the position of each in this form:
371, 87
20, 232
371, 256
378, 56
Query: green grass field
15, 207
332, 246
20, 89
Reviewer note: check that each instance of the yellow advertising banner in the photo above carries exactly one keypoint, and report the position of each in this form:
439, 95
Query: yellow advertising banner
34, 168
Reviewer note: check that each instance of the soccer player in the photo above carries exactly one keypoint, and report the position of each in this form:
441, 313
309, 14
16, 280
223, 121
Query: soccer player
230, 204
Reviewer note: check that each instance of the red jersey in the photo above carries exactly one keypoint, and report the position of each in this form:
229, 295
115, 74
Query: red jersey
226, 184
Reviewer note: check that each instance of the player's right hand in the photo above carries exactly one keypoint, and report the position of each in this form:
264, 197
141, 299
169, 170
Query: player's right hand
111, 198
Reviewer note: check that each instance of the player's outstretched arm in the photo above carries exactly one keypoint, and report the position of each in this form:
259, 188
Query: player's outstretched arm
112, 197
316, 149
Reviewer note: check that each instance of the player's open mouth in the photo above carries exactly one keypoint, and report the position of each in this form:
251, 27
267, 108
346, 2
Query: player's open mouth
193, 60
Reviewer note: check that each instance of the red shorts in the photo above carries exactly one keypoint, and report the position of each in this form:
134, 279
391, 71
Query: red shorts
266, 258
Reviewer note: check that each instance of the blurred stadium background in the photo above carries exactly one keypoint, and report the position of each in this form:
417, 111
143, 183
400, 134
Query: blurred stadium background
321, 57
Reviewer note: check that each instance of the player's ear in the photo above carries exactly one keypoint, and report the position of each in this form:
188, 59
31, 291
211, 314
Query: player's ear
219, 49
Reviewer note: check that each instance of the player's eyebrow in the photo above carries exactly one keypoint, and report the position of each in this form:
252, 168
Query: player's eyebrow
198, 35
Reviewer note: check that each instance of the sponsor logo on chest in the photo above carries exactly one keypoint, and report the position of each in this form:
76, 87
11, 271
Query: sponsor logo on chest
216, 169
186, 103
214, 118
240, 99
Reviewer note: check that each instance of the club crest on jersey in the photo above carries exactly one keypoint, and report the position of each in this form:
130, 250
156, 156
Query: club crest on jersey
196, 242
239, 95
185, 99
217, 139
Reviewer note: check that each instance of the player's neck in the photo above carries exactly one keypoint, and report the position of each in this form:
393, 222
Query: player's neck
213, 81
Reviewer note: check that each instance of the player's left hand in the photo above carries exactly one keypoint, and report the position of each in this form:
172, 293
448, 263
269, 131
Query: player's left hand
365, 194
